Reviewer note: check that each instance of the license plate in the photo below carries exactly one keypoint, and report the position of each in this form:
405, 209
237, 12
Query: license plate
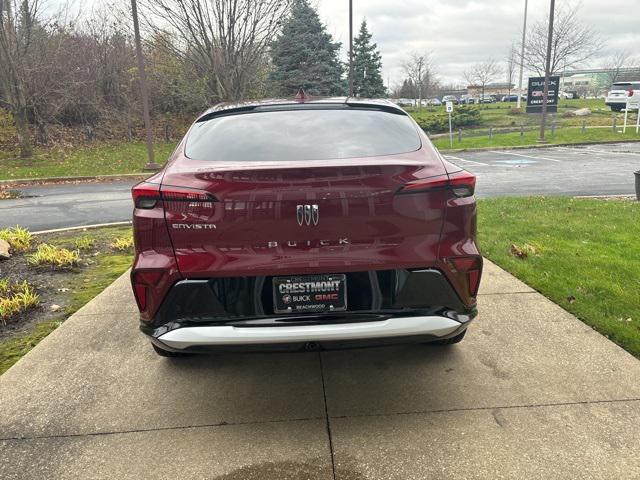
310, 294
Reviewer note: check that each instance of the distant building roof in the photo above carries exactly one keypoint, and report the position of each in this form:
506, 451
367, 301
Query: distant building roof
493, 85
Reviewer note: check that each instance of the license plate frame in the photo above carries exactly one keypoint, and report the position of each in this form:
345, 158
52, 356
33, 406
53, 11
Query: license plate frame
320, 293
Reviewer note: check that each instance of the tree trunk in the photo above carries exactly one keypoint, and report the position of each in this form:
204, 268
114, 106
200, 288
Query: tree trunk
12, 81
43, 133
22, 129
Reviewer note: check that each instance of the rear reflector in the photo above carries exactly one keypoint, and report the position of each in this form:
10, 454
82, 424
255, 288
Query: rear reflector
461, 183
143, 280
468, 269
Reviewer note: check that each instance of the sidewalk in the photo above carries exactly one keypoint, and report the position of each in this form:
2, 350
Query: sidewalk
532, 392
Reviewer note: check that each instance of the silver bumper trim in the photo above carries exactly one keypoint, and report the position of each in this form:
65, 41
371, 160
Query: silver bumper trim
185, 337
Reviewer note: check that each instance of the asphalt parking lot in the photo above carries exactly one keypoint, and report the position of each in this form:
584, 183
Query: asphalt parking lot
604, 169
531, 393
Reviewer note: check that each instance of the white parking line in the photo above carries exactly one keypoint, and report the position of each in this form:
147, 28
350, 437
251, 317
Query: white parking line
607, 152
465, 160
526, 156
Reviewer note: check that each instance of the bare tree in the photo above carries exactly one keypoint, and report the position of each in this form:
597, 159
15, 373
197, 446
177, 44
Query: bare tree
511, 66
16, 26
420, 73
481, 74
616, 63
573, 42
225, 40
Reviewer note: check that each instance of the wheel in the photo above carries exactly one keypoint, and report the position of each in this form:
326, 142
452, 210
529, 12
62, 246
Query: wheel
166, 353
450, 341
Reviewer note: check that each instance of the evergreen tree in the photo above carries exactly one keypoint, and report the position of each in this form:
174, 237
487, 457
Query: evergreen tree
305, 56
367, 66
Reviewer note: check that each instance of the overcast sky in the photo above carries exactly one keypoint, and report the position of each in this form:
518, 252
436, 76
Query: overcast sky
459, 33
462, 32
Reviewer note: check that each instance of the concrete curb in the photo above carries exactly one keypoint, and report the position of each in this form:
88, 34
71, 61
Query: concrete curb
527, 147
83, 227
28, 181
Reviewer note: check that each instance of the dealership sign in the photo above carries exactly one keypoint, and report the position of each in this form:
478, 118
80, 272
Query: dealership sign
535, 94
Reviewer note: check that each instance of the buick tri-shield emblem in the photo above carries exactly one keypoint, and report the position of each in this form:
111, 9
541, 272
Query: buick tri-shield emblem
307, 214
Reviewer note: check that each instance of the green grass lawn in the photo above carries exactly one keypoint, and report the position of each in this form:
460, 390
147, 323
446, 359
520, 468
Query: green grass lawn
83, 287
102, 159
505, 115
583, 254
563, 135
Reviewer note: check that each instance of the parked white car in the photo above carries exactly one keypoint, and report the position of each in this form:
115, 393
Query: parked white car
621, 92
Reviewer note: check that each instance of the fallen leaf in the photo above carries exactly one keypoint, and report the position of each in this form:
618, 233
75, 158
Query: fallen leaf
518, 252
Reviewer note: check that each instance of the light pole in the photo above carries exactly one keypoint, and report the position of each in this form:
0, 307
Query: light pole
524, 37
351, 48
151, 164
547, 73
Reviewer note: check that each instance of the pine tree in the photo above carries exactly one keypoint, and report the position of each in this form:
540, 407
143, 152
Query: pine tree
305, 56
367, 66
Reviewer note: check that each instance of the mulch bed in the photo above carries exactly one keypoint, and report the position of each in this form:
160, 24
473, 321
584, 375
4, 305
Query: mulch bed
54, 287
47, 283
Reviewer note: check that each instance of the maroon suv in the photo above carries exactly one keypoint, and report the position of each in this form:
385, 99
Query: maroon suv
305, 224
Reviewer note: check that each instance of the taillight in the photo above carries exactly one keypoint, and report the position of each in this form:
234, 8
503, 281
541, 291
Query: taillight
143, 280
178, 199
145, 195
187, 200
630, 92
461, 183
468, 269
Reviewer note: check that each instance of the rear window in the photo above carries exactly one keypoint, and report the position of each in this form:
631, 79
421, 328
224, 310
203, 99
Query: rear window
625, 85
303, 134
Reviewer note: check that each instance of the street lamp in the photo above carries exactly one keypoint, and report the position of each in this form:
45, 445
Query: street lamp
524, 36
151, 164
351, 48
547, 73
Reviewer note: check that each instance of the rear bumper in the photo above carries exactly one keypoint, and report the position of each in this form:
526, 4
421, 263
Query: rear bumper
185, 337
237, 314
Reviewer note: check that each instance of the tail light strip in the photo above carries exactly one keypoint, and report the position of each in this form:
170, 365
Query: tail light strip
462, 184
146, 195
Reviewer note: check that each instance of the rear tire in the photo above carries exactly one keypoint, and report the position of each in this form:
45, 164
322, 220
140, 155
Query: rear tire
450, 341
168, 354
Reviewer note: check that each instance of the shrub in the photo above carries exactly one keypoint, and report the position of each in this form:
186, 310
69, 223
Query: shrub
84, 243
122, 244
15, 298
18, 238
438, 122
4, 286
48, 255
516, 111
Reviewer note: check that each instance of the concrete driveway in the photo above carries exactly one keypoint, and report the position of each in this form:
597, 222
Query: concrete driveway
531, 393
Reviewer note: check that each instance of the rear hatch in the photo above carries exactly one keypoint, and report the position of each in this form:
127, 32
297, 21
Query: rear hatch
303, 189
301, 220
